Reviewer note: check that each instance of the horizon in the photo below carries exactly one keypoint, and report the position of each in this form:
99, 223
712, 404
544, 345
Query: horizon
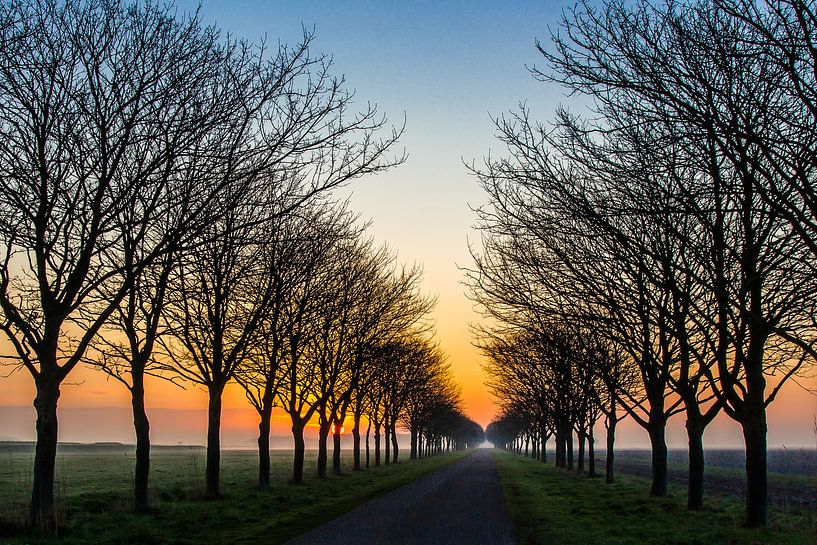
170, 426
238, 448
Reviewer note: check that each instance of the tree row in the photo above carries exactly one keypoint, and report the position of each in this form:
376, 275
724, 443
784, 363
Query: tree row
166, 209
655, 254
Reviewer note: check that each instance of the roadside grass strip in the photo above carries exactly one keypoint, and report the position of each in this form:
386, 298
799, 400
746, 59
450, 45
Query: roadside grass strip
550, 506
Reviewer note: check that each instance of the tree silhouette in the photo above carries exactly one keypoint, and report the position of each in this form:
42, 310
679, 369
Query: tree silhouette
696, 74
102, 107
667, 219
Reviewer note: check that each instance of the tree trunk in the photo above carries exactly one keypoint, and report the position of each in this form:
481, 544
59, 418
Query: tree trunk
609, 476
544, 437
610, 424
368, 431
263, 447
323, 435
213, 465
591, 452
298, 454
395, 446
754, 436
569, 448
376, 443
42, 515
695, 483
336, 470
386, 433
580, 464
753, 417
658, 443
356, 444
141, 426
413, 451
561, 448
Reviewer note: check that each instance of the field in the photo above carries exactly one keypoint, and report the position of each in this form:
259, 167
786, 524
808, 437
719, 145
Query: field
548, 505
792, 473
94, 486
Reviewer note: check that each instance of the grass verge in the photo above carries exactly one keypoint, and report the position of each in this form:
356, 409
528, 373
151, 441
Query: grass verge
100, 514
550, 506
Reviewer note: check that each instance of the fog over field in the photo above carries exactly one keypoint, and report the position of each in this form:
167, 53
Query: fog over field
169, 427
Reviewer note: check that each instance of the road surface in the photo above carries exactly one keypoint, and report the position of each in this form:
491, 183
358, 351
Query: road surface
460, 504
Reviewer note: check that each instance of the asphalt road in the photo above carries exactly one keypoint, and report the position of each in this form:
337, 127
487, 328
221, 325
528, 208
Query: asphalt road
461, 504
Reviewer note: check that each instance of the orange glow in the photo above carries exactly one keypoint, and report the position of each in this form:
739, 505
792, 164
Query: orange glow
332, 431
180, 413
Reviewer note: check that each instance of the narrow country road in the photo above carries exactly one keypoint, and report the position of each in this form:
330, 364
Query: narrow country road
461, 504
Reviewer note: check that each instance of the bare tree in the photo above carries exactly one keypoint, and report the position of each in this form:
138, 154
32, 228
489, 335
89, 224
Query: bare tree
695, 73
299, 395
288, 258
130, 361
391, 308
331, 347
219, 298
225, 292
366, 303
101, 103
558, 244
780, 37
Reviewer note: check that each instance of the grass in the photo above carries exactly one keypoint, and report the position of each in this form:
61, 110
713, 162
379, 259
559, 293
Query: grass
93, 490
798, 477
550, 506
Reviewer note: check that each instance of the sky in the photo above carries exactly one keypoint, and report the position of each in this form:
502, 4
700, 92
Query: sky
446, 67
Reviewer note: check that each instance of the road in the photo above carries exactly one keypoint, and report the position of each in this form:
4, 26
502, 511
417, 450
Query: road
460, 504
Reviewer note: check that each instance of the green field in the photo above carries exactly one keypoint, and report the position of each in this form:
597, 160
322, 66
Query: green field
93, 491
550, 506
